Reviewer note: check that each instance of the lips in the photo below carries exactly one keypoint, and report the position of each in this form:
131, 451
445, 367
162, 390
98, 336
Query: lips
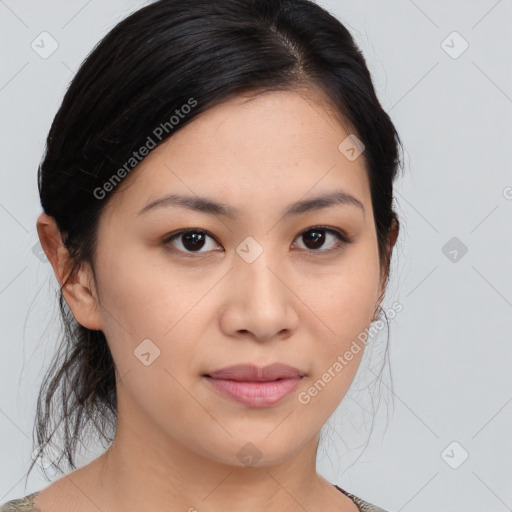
254, 386
252, 373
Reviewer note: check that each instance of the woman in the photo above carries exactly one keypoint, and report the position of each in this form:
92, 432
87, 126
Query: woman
217, 195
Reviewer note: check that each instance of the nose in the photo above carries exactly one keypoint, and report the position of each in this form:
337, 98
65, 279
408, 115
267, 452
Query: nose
261, 301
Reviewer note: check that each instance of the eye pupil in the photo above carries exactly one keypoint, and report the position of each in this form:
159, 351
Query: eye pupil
316, 236
194, 238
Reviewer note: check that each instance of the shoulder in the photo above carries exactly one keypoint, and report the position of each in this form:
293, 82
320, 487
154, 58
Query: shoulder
25, 504
362, 505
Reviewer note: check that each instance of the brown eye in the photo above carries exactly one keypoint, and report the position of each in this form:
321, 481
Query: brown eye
191, 240
316, 238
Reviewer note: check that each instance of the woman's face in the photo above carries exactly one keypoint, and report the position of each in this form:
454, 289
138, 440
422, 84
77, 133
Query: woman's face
259, 287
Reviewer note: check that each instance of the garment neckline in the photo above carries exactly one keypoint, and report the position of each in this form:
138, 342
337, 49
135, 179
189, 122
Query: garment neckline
33, 495
350, 496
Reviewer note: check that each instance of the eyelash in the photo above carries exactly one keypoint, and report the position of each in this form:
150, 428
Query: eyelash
343, 240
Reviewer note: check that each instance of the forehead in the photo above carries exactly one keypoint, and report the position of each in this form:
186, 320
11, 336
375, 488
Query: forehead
251, 150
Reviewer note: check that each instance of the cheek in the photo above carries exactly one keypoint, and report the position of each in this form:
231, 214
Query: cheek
346, 298
141, 302
138, 297
344, 303
150, 337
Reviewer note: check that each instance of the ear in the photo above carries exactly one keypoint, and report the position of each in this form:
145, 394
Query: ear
79, 289
393, 235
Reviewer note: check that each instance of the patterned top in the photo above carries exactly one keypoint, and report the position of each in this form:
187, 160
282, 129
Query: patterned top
26, 504
363, 506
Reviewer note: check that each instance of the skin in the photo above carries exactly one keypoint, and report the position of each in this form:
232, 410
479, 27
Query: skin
177, 438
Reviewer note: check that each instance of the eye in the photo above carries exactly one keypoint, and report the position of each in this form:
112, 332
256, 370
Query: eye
314, 238
190, 240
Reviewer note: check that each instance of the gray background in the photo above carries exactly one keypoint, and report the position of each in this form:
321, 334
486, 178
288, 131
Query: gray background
450, 349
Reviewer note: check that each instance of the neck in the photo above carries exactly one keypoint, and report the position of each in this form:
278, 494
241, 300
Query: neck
146, 468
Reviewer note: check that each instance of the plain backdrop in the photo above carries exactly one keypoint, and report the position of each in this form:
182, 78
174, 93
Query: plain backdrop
441, 439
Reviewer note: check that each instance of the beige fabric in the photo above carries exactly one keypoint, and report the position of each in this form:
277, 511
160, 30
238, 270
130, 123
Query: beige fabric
363, 506
25, 504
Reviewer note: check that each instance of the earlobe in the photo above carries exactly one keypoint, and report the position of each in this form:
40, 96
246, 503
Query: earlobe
77, 283
81, 298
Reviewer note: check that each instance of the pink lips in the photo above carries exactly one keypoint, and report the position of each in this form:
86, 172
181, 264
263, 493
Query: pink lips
253, 386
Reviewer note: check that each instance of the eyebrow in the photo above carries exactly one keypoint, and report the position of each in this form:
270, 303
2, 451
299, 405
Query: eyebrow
209, 206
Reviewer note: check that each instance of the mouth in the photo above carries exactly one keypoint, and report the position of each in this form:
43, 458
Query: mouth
254, 386
252, 373
255, 393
